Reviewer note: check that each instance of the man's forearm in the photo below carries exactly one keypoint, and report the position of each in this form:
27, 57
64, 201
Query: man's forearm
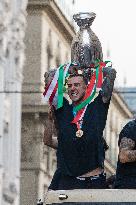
50, 139
108, 83
131, 155
126, 150
51, 130
127, 156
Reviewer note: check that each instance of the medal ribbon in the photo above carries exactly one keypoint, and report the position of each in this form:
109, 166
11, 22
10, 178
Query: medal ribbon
89, 90
60, 87
61, 80
90, 93
100, 74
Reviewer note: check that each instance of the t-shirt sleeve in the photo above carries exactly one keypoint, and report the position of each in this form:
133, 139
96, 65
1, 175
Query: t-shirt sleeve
58, 111
129, 131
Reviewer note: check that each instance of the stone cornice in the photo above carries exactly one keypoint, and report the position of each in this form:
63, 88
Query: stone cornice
56, 15
118, 99
34, 108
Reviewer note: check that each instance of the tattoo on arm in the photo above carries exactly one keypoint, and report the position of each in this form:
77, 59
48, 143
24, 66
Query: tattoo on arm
132, 156
126, 152
127, 143
108, 83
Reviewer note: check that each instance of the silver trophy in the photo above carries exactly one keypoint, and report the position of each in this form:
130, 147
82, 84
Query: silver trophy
86, 47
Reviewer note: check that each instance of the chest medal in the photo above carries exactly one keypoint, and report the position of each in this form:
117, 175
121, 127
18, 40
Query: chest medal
79, 133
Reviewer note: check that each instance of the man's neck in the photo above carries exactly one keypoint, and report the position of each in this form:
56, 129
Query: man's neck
77, 102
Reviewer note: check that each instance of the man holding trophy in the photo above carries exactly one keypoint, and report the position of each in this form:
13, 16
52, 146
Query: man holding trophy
80, 118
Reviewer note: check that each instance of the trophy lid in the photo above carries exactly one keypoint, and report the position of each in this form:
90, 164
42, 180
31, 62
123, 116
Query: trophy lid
84, 17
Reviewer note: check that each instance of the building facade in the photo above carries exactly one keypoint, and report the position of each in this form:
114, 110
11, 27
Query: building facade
118, 115
12, 31
129, 96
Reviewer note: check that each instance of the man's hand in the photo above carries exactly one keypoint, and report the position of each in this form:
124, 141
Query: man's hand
48, 77
109, 74
123, 155
126, 152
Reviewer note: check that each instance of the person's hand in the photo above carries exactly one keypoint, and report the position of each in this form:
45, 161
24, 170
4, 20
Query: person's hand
110, 72
48, 77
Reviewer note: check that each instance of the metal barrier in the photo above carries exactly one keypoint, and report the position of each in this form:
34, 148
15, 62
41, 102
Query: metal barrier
91, 196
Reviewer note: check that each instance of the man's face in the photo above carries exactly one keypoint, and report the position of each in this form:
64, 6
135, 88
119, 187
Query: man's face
76, 89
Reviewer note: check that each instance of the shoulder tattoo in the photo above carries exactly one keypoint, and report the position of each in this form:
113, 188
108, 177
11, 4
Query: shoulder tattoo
127, 143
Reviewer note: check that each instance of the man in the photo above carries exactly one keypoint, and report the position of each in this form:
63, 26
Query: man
80, 147
126, 167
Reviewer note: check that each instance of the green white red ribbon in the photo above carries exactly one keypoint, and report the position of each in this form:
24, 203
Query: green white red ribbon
95, 82
54, 91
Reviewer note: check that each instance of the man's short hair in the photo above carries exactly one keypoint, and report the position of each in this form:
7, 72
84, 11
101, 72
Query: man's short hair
86, 73
74, 70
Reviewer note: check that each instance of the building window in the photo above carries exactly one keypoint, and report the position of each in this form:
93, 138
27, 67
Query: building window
49, 49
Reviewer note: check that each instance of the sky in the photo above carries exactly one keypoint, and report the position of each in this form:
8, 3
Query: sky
116, 28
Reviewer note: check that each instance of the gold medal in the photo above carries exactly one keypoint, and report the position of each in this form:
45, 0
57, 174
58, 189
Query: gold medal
79, 133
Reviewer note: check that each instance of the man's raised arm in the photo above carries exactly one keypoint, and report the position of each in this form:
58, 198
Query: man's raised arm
50, 133
108, 83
